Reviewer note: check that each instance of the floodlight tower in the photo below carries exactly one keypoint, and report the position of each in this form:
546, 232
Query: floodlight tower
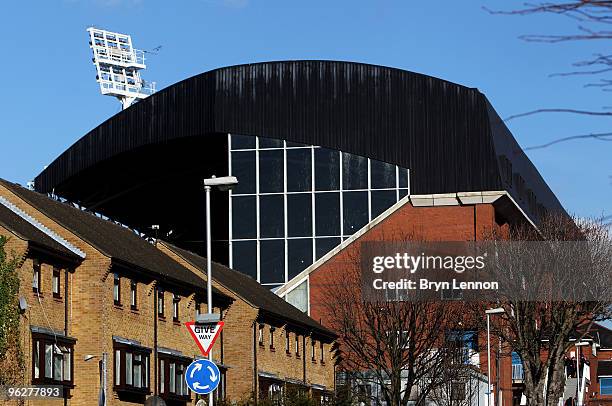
118, 66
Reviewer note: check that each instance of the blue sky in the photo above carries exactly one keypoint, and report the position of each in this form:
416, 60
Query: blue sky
50, 97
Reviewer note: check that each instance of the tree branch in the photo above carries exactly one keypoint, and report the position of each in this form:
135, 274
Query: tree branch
573, 111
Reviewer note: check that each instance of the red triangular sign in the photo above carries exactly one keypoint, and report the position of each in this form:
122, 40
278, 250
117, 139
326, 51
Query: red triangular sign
204, 335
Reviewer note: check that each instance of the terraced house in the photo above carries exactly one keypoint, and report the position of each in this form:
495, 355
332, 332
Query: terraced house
103, 311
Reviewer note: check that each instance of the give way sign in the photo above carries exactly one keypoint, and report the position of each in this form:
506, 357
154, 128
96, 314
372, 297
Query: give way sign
204, 335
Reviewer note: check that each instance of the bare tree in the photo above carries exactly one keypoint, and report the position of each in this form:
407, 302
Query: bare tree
593, 18
556, 282
396, 347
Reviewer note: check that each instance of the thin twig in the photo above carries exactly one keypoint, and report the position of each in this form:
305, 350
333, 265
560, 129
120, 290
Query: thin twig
573, 111
598, 137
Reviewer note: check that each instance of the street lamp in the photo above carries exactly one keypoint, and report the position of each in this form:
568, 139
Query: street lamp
223, 183
489, 312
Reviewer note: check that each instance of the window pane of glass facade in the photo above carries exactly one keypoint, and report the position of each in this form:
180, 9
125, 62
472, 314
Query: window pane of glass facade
48, 361
382, 200
242, 141
245, 257
117, 367
298, 297
243, 211
128, 368
299, 215
327, 169
299, 255
271, 216
286, 204
383, 175
299, 170
324, 245
327, 213
243, 167
272, 261
355, 211
354, 171
270, 143
271, 171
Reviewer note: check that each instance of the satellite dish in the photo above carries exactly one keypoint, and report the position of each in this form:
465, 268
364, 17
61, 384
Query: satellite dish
23, 304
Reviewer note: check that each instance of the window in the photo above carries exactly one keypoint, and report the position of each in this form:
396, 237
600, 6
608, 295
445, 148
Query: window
287, 343
272, 338
354, 172
117, 289
297, 346
243, 208
381, 201
52, 360
324, 245
243, 167
605, 386
131, 366
299, 170
271, 221
160, 302
465, 344
321, 348
172, 384
261, 335
327, 169
458, 391
56, 283
327, 209
134, 295
382, 174
299, 255
176, 300
271, 171
198, 308
355, 211
36, 282
313, 350
272, 261
299, 215
244, 257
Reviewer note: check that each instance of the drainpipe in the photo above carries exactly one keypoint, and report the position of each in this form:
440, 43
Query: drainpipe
255, 377
155, 340
304, 355
66, 326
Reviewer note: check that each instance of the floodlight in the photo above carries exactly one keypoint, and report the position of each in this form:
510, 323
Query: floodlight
118, 65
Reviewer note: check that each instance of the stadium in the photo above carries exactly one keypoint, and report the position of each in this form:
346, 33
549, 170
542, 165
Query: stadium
320, 149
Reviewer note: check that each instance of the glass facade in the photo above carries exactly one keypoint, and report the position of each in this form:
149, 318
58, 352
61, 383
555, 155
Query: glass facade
294, 203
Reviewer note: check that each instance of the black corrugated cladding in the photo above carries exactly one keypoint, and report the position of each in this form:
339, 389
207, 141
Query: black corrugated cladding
440, 130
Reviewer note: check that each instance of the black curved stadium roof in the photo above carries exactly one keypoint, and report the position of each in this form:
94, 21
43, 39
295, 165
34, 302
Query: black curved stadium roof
448, 135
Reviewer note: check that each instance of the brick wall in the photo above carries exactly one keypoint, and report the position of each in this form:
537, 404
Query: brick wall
440, 223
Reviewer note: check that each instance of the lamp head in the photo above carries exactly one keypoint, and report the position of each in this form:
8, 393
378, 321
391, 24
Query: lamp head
223, 183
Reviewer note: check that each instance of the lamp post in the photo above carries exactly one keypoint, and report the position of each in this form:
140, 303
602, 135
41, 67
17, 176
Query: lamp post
489, 312
578, 366
223, 183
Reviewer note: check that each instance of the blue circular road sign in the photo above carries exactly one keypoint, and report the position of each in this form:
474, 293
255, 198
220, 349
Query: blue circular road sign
202, 376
